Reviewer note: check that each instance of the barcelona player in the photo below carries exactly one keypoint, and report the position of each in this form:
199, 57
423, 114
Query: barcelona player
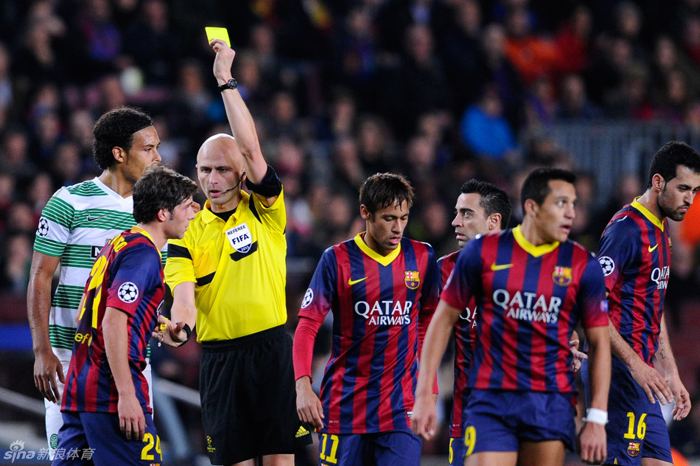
481, 208
105, 400
382, 290
635, 253
532, 286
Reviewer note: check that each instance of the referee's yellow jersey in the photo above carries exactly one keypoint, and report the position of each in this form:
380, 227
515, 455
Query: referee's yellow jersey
238, 268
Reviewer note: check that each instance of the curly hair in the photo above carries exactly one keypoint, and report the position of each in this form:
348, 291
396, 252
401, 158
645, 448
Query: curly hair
160, 188
116, 128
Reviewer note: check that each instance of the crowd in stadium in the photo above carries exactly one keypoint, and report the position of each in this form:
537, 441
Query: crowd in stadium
438, 90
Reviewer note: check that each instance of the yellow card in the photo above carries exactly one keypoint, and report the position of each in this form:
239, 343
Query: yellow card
217, 33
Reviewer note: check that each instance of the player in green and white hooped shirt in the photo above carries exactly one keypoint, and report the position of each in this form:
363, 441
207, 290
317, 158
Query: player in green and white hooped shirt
75, 224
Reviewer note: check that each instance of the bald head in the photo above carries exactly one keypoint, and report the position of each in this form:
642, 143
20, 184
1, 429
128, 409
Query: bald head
224, 144
220, 170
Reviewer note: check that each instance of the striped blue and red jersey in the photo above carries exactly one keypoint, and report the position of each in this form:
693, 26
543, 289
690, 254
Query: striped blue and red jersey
529, 299
381, 307
464, 337
635, 253
128, 276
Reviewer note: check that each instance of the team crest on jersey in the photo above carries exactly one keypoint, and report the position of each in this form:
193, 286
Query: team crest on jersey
412, 279
633, 449
240, 238
562, 275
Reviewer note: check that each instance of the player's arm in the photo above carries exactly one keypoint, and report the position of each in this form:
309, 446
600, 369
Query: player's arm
592, 439
240, 119
314, 308
182, 313
424, 416
114, 327
651, 381
46, 364
309, 407
666, 365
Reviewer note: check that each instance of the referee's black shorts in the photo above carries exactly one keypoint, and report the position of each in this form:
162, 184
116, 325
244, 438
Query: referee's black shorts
249, 399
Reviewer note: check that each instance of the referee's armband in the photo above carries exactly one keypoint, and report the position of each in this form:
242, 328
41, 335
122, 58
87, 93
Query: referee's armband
269, 186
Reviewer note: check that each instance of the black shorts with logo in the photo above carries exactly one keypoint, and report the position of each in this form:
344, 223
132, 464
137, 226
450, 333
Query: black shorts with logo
249, 399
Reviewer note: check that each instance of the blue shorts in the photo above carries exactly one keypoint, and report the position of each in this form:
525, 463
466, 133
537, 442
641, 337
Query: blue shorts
636, 428
457, 449
95, 438
500, 420
396, 448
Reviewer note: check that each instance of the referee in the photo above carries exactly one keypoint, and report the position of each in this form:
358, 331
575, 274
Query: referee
228, 274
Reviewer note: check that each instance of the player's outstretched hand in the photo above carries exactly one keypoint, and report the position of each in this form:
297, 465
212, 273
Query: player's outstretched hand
131, 419
46, 368
681, 396
652, 382
169, 332
223, 60
309, 407
424, 417
578, 356
592, 443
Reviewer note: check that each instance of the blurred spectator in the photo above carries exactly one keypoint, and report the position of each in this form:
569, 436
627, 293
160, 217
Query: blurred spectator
355, 50
573, 41
98, 41
499, 71
541, 104
691, 38
348, 171
39, 192
15, 264
22, 218
66, 165
532, 55
630, 99
484, 129
14, 156
81, 123
375, 144
7, 194
152, 44
574, 103
460, 50
6, 86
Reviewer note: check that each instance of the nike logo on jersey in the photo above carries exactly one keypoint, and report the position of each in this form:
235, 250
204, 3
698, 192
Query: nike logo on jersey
652, 249
496, 268
353, 282
90, 218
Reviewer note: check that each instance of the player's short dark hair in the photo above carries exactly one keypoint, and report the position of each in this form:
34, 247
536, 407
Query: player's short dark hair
384, 189
116, 128
493, 199
669, 157
160, 188
536, 185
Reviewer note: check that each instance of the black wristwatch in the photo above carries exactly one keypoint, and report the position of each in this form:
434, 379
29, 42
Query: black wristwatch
231, 84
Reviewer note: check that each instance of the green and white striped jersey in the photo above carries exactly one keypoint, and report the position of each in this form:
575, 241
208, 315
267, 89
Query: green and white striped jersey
75, 224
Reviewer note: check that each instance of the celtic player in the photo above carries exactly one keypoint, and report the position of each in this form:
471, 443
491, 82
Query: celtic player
75, 224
